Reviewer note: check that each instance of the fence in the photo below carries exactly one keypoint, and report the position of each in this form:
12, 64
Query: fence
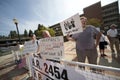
95, 72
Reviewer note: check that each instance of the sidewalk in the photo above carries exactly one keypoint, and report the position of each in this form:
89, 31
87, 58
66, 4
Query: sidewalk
70, 54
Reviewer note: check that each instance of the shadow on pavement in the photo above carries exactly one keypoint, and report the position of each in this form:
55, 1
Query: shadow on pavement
105, 61
112, 63
13, 73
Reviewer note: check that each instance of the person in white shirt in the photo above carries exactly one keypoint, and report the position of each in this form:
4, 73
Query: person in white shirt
102, 46
112, 37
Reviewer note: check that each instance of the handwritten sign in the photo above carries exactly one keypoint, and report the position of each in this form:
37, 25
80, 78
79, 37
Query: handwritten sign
71, 25
52, 48
30, 47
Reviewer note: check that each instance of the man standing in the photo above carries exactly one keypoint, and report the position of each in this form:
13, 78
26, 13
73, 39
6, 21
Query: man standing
85, 42
112, 36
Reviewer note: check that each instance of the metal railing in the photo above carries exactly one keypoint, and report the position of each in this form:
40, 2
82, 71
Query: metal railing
94, 72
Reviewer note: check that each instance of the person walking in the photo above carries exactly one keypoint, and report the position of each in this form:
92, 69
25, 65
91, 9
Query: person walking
86, 45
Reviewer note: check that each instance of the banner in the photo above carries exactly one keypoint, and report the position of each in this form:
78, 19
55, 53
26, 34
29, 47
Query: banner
52, 48
71, 25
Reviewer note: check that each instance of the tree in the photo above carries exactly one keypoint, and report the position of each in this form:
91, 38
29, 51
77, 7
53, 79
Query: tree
13, 34
52, 32
25, 33
30, 32
38, 32
95, 22
40, 29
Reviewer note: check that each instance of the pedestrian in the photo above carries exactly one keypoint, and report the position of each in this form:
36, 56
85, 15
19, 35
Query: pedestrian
102, 45
29, 55
85, 42
114, 40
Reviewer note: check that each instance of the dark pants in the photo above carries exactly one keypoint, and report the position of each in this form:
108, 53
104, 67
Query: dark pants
91, 54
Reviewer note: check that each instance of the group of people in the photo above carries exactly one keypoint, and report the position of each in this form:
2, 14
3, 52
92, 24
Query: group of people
88, 40
112, 35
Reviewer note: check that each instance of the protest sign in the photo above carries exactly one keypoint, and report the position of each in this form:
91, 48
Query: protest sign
48, 70
71, 25
30, 47
52, 48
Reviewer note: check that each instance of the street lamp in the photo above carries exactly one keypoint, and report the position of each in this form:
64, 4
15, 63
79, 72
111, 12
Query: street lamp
16, 23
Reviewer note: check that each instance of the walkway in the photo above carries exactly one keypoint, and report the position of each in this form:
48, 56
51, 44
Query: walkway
70, 54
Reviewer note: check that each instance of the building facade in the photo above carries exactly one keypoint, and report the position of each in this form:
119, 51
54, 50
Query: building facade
93, 11
110, 14
57, 29
107, 14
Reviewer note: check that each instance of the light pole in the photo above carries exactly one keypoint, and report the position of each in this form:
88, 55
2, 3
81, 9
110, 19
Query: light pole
16, 23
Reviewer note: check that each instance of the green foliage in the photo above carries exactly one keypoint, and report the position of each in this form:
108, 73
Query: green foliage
30, 33
52, 32
40, 30
41, 27
95, 22
13, 34
25, 33
38, 33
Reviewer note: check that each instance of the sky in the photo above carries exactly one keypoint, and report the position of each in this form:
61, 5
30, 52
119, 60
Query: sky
30, 13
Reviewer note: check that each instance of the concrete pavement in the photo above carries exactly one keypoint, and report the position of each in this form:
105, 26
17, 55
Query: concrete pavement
70, 54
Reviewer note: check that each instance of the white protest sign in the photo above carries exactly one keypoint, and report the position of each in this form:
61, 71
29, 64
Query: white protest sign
52, 48
71, 25
30, 47
48, 70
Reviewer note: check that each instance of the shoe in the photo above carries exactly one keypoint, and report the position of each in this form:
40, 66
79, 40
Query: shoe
101, 55
104, 55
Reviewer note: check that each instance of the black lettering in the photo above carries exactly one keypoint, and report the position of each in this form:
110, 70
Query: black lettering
37, 64
46, 67
64, 75
59, 53
51, 70
56, 71
34, 74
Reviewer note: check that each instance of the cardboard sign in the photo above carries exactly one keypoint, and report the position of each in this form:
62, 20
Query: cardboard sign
71, 25
52, 48
30, 47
